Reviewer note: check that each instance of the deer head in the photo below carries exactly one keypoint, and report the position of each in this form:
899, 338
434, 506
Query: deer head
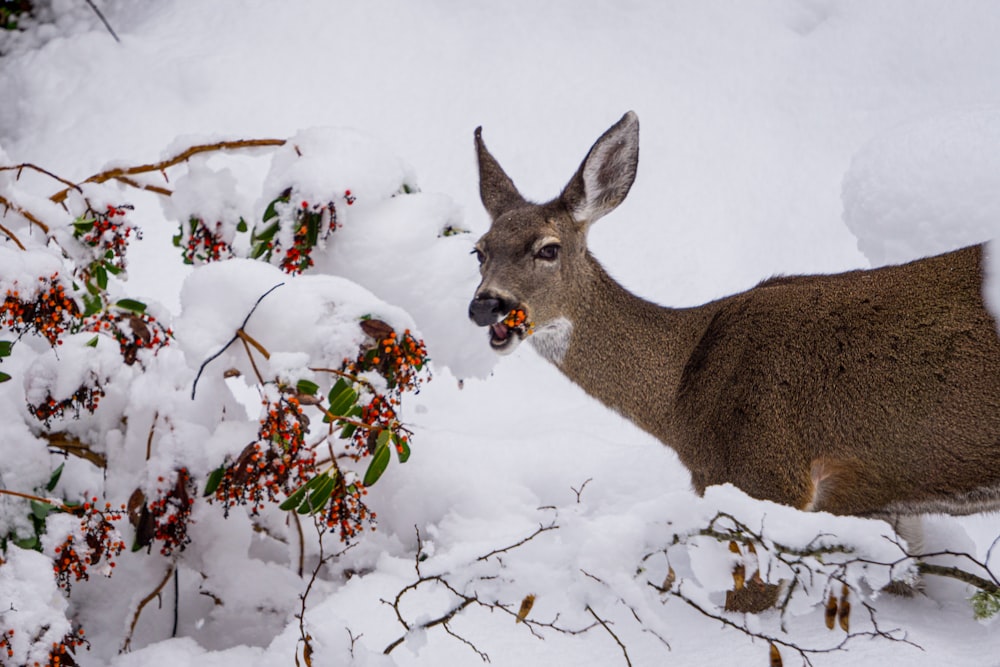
534, 259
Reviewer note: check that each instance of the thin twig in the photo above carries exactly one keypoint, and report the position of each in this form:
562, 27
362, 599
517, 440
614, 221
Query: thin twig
27, 165
13, 237
149, 440
541, 529
103, 20
232, 340
142, 604
39, 499
604, 624
253, 363
27, 215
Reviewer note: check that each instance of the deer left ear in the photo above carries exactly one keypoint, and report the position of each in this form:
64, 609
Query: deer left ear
495, 187
606, 174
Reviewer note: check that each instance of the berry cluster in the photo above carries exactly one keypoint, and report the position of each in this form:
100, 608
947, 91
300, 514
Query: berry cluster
167, 518
346, 512
313, 222
101, 540
86, 397
60, 654
143, 332
400, 361
49, 313
272, 465
109, 232
517, 320
201, 244
379, 414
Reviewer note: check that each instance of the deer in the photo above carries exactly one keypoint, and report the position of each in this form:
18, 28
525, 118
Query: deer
873, 393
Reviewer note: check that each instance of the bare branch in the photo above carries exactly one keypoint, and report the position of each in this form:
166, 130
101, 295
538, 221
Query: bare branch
123, 175
27, 215
541, 529
142, 604
72, 445
232, 340
606, 626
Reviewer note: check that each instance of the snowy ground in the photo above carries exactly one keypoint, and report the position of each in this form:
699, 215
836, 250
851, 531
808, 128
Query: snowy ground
777, 137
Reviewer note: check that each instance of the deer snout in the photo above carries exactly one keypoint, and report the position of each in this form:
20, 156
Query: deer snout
486, 310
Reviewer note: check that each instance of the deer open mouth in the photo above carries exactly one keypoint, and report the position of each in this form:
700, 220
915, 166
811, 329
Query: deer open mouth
511, 330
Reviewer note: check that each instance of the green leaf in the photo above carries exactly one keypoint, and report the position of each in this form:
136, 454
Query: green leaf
112, 269
402, 448
92, 342
32, 543
40, 510
342, 397
5, 348
320, 495
267, 234
380, 459
101, 274
241, 226
54, 478
293, 501
312, 228
91, 304
82, 226
131, 304
269, 212
4, 377
214, 478
307, 387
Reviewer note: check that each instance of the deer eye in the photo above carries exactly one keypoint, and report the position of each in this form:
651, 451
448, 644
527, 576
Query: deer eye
548, 252
480, 257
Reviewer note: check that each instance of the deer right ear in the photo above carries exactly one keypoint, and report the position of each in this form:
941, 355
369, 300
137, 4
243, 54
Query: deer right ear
495, 187
606, 174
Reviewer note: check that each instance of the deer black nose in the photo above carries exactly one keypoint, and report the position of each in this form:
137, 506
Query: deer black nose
486, 310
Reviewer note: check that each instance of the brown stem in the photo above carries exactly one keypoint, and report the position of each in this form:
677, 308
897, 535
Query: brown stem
27, 215
64, 442
9, 234
39, 499
123, 174
963, 576
149, 440
246, 346
142, 604
27, 165
247, 338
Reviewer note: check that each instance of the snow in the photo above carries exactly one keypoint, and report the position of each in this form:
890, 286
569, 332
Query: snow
777, 137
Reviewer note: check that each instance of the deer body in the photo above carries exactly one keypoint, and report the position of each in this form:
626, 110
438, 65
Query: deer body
870, 392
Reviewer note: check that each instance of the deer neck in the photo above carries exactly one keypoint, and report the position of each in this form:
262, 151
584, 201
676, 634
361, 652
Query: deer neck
624, 350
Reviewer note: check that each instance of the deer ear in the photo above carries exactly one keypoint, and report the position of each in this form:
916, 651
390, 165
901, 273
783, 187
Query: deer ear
606, 174
495, 187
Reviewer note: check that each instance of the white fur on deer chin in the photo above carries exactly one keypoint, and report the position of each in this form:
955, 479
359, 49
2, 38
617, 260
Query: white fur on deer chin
552, 340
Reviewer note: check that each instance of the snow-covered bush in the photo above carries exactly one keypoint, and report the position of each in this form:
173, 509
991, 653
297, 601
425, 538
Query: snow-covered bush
123, 426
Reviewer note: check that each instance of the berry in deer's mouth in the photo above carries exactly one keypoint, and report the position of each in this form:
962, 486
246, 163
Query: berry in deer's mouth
516, 322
